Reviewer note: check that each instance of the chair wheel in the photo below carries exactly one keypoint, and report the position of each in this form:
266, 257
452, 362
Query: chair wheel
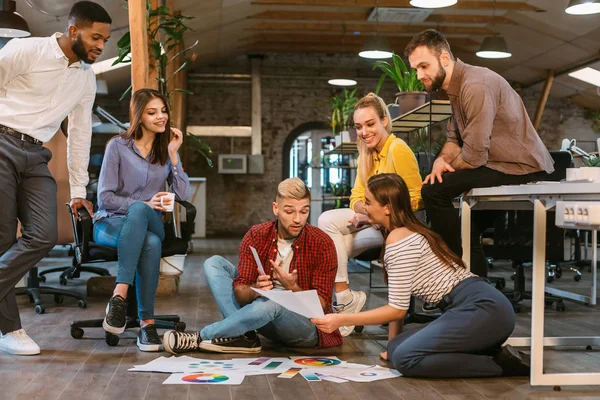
42, 278
63, 281
558, 273
560, 306
81, 303
76, 333
59, 298
179, 326
111, 340
39, 309
549, 279
577, 278
358, 328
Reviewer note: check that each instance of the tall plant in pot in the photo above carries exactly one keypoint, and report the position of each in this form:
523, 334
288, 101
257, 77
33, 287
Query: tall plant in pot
411, 92
342, 109
164, 36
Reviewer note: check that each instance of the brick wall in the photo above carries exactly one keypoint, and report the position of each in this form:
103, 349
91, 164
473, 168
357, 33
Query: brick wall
235, 202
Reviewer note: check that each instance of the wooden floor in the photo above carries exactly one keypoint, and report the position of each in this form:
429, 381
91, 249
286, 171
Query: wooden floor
90, 369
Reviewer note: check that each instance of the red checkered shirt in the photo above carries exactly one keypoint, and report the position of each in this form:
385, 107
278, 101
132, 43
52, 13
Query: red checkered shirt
315, 260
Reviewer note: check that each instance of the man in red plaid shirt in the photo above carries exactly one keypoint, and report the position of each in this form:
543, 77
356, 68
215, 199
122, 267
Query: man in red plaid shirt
295, 256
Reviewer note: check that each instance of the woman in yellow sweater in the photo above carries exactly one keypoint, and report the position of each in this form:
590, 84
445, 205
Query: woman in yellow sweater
379, 152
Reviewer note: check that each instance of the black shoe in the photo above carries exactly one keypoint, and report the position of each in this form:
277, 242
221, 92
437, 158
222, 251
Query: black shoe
248, 343
181, 342
116, 315
148, 339
430, 308
512, 362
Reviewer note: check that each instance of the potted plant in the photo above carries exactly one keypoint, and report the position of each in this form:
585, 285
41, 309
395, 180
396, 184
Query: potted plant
343, 108
164, 35
411, 92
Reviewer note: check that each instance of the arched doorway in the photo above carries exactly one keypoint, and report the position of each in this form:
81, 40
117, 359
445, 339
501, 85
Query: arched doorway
304, 156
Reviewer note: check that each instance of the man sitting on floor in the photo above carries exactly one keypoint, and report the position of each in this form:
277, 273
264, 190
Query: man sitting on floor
295, 256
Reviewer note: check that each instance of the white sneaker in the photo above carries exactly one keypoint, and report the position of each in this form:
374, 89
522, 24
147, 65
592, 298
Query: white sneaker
359, 298
19, 343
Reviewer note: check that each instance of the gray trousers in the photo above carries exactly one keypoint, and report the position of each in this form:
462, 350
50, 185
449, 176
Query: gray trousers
460, 343
27, 193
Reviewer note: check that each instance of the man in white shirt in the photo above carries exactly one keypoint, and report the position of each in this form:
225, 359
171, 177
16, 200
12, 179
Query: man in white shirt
42, 81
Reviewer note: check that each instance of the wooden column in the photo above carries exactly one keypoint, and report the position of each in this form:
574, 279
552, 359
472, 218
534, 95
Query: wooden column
152, 71
139, 44
537, 120
256, 106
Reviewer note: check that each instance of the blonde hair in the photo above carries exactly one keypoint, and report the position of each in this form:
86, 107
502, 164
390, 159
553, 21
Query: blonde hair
366, 155
292, 188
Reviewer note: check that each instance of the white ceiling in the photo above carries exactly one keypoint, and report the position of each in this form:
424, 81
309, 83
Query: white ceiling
542, 38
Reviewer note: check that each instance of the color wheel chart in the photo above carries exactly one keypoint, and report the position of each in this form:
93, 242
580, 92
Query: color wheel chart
317, 361
205, 378
368, 374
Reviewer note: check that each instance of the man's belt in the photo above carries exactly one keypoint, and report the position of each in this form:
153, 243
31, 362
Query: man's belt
5, 130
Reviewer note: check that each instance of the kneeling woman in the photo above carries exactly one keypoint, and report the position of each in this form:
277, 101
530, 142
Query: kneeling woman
136, 166
465, 341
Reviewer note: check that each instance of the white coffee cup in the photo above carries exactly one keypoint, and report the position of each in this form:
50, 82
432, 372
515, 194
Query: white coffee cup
171, 205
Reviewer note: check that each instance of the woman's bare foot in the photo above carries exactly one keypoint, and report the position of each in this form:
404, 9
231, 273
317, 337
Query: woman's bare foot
383, 355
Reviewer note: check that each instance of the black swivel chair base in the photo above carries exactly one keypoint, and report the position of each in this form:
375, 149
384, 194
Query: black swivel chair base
73, 272
34, 291
519, 293
160, 321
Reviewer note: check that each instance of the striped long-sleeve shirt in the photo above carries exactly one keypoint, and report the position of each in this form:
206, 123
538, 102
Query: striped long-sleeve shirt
414, 270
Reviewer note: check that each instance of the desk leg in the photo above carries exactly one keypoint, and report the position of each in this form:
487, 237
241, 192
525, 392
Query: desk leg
538, 285
594, 266
465, 230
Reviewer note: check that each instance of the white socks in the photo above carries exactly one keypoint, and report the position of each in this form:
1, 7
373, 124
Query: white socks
344, 297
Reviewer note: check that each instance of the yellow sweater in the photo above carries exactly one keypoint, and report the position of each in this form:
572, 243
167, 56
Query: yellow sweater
395, 157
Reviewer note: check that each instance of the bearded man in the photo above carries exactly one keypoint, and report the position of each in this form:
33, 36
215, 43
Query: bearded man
491, 140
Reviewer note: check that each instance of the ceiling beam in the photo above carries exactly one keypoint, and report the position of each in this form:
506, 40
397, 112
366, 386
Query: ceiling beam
334, 39
366, 28
293, 15
462, 5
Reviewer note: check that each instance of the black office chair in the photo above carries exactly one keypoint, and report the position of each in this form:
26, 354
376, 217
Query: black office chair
513, 240
89, 251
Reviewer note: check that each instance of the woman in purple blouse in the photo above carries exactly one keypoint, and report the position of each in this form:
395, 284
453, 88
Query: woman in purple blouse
136, 166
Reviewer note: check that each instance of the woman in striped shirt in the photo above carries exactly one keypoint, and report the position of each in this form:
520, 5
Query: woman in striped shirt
465, 341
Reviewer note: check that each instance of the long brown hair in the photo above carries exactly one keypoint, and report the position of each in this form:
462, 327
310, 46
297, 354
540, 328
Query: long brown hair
365, 166
160, 146
391, 190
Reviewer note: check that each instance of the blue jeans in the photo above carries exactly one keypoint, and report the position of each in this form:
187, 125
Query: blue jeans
269, 318
461, 342
138, 239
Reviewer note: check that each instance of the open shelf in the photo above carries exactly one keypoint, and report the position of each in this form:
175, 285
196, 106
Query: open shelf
428, 114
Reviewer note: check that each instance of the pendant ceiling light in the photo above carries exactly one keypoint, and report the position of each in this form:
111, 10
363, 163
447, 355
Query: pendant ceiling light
341, 78
583, 7
432, 3
376, 47
494, 46
12, 24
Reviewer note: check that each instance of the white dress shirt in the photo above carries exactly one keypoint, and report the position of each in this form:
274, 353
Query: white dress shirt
38, 89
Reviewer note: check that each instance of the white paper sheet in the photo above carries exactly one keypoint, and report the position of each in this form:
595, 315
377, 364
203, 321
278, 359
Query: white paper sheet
305, 303
368, 375
224, 378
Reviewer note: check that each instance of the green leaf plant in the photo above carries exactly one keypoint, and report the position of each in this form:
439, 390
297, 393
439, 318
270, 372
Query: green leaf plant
405, 79
164, 35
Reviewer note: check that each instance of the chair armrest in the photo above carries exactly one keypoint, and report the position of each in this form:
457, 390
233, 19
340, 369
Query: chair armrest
82, 232
187, 230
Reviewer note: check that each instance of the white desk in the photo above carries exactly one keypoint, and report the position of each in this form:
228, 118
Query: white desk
540, 197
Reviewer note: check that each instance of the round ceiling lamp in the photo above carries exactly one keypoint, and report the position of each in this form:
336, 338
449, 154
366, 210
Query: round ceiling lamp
341, 81
432, 3
583, 7
12, 25
494, 47
376, 48
54, 8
